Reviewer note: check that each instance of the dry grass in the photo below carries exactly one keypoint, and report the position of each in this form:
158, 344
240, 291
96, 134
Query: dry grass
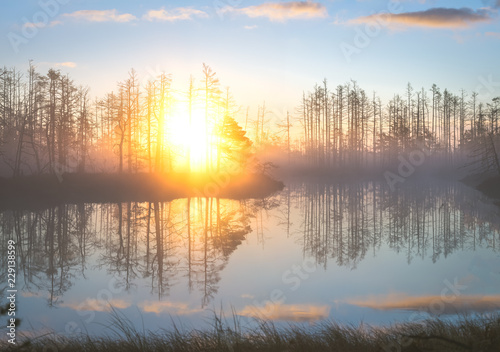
466, 334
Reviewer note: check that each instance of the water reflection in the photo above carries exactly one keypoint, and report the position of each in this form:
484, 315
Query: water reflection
434, 305
161, 242
344, 222
190, 241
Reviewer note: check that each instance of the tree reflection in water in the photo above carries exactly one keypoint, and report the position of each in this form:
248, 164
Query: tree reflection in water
343, 222
191, 240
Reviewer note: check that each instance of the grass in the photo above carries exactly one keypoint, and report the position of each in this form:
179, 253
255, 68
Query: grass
466, 334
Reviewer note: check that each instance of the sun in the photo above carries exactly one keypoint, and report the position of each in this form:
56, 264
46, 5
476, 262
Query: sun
188, 135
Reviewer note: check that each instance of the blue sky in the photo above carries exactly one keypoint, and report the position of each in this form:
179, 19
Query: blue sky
262, 50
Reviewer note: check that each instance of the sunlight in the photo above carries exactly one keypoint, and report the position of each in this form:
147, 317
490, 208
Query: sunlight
188, 137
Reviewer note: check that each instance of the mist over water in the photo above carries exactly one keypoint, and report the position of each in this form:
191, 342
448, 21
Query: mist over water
316, 250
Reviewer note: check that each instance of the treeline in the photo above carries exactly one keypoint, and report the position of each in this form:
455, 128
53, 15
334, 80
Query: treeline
42, 120
348, 125
48, 124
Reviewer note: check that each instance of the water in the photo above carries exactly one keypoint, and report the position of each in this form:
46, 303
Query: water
346, 252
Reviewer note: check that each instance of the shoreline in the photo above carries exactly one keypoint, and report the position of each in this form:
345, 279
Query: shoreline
48, 190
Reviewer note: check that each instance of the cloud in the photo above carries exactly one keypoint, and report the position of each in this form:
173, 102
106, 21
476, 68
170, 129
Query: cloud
431, 304
33, 25
69, 64
287, 312
435, 18
100, 16
493, 34
96, 305
250, 27
282, 11
180, 13
54, 23
40, 24
173, 308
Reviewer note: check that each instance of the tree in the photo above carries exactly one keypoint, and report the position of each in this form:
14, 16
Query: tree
84, 128
485, 155
161, 117
211, 83
234, 146
191, 97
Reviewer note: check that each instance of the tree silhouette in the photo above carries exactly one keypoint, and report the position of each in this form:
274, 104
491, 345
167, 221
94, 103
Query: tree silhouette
234, 144
48, 124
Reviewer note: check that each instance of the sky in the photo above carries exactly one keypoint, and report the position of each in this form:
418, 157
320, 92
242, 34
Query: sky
268, 51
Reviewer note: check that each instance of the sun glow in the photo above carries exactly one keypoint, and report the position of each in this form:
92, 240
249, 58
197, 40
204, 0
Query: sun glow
187, 133
197, 140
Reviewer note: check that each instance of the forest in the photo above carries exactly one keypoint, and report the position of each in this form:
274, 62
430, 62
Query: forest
51, 125
347, 125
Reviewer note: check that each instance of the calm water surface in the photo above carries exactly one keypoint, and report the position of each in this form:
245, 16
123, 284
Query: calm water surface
346, 252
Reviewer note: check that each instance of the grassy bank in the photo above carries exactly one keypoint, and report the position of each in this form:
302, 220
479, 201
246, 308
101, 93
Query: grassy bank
466, 334
47, 190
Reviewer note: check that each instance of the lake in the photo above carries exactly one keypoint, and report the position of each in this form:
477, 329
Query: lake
348, 252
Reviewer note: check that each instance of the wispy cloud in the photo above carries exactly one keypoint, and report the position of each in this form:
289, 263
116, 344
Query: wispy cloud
282, 11
250, 27
438, 17
431, 304
178, 14
40, 24
100, 16
287, 312
493, 34
173, 308
55, 23
69, 64
92, 304
34, 25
